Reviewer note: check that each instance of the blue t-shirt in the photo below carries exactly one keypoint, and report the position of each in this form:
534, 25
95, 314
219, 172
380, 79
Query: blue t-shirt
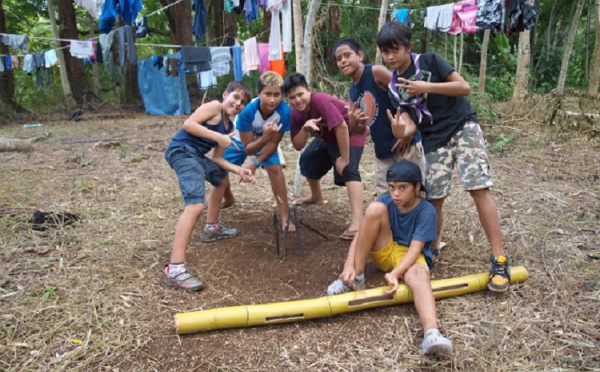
379, 124
201, 144
251, 119
419, 224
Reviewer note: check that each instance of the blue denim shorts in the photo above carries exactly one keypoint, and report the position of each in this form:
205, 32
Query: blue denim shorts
237, 157
192, 169
319, 157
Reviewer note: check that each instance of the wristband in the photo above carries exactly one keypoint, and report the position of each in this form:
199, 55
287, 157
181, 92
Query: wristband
256, 163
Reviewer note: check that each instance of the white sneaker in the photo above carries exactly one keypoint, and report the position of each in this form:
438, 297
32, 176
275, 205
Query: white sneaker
435, 344
338, 287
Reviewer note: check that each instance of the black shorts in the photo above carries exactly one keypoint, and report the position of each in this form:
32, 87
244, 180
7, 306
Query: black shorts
318, 158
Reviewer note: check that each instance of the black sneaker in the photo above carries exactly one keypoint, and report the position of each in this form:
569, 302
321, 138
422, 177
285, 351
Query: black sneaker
499, 274
208, 236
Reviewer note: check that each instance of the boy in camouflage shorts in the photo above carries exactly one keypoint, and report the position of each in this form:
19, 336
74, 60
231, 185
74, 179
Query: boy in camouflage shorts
434, 94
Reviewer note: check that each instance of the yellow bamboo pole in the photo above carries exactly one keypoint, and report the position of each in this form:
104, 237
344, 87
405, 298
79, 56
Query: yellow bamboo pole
292, 311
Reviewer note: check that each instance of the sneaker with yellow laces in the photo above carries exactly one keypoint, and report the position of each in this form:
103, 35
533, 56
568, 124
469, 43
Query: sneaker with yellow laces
499, 274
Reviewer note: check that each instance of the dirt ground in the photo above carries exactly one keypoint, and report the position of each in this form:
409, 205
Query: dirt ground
88, 296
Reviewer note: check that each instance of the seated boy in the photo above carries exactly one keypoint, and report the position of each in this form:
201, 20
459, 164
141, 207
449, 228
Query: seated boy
260, 127
335, 146
207, 128
396, 234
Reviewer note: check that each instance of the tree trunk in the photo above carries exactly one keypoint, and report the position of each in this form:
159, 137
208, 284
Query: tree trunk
522, 74
95, 74
562, 77
74, 66
7, 79
313, 7
298, 32
179, 17
266, 26
595, 64
382, 17
483, 61
64, 78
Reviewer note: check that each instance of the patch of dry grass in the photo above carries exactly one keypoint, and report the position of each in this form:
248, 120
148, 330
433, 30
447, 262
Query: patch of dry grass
89, 297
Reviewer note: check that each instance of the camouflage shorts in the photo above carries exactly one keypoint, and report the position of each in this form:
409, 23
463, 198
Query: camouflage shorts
466, 151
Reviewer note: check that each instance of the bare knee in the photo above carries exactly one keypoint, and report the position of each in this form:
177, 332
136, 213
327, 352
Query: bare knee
375, 210
195, 209
417, 275
479, 195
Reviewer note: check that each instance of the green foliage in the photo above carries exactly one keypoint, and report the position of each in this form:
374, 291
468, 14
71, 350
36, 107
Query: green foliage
502, 144
49, 292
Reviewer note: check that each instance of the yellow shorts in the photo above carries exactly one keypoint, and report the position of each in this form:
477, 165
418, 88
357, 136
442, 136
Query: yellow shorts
390, 256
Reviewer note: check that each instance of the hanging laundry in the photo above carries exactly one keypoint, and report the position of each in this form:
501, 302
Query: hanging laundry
228, 6
521, 15
250, 58
199, 26
263, 57
172, 67
82, 49
129, 10
250, 13
1, 65
230, 41
92, 58
262, 3
109, 53
238, 69
8, 62
126, 45
490, 14
92, 6
162, 95
141, 27
14, 61
465, 14
278, 66
157, 62
28, 64
221, 56
400, 15
196, 59
439, 17
286, 21
99, 56
205, 80
16, 42
275, 37
51, 58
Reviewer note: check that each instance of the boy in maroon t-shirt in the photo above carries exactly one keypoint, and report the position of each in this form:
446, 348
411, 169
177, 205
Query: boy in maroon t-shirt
334, 146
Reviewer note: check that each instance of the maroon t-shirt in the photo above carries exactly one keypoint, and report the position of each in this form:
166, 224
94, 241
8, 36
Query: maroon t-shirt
332, 112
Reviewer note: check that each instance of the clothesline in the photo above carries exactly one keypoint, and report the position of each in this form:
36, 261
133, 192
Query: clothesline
163, 8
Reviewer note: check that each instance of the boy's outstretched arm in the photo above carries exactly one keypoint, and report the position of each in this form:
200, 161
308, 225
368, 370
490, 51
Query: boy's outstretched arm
245, 174
405, 263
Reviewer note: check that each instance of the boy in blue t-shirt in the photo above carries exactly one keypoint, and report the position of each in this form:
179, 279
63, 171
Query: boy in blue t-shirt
396, 233
209, 127
260, 127
372, 109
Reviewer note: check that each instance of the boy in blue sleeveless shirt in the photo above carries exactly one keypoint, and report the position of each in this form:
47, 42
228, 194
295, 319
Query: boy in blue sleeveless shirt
434, 95
372, 109
209, 127
396, 234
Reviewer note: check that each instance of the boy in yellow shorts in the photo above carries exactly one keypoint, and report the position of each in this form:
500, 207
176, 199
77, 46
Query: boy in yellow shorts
396, 233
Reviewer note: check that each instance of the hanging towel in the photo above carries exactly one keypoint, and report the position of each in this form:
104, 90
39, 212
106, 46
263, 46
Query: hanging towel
205, 80
221, 56
275, 37
196, 59
126, 45
28, 63
50, 58
251, 60
278, 66
14, 61
400, 15
16, 41
286, 23
465, 15
162, 95
92, 6
490, 14
238, 69
1, 65
82, 49
263, 56
439, 17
